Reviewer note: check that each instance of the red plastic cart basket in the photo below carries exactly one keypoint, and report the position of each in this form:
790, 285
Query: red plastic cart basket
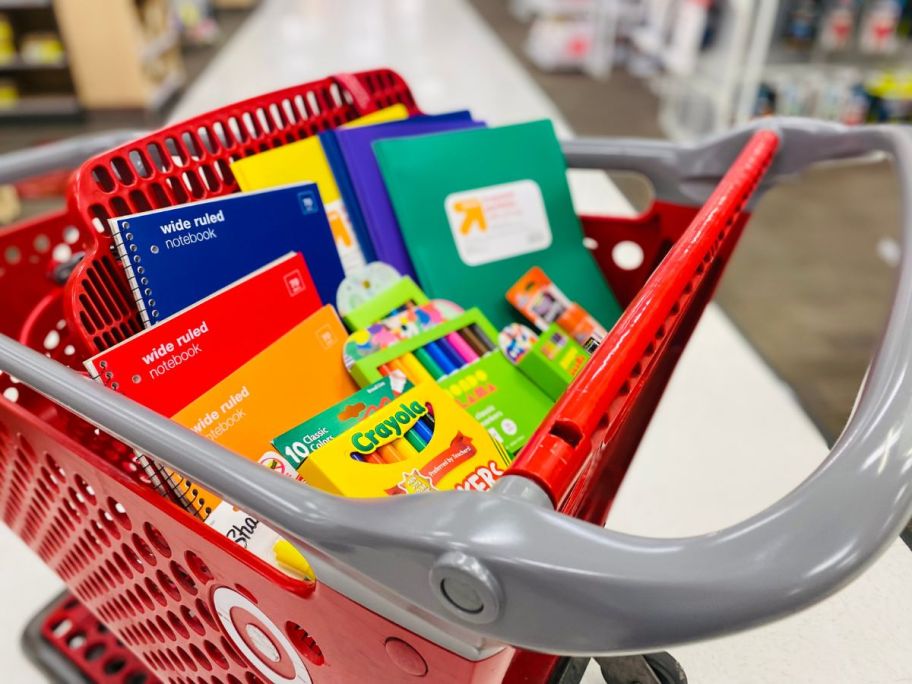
455, 586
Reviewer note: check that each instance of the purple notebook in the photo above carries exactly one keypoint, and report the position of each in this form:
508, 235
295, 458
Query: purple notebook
367, 181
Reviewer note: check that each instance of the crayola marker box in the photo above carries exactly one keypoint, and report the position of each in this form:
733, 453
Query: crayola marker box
376, 457
302, 440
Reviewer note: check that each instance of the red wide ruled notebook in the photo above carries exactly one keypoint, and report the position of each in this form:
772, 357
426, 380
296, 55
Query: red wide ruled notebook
170, 364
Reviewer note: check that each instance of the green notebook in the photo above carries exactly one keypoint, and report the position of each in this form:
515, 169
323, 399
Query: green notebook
478, 208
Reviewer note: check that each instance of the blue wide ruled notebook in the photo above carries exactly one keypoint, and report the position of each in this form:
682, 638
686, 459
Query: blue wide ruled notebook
372, 200
176, 256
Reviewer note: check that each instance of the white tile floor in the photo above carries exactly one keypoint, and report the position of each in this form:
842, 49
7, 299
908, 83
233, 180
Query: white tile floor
729, 438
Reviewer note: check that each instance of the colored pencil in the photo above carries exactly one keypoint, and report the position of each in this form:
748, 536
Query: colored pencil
424, 430
473, 341
429, 364
480, 334
368, 458
408, 446
416, 372
462, 347
451, 354
440, 357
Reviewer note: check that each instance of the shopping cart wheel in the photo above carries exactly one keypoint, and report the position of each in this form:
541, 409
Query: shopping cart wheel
652, 668
569, 671
68, 643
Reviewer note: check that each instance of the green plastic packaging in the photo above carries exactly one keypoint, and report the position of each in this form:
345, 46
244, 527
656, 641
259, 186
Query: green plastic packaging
494, 391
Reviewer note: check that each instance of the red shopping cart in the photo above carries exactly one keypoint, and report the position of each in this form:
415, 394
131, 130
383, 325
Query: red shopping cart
453, 587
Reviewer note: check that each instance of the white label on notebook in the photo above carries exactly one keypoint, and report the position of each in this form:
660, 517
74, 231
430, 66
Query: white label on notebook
343, 231
498, 222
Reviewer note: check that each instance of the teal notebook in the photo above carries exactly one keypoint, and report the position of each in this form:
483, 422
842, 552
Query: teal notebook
478, 208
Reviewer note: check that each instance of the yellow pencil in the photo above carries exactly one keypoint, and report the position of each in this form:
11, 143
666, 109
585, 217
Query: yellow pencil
416, 372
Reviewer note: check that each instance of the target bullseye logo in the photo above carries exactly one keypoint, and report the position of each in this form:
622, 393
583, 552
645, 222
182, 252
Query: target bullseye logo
259, 639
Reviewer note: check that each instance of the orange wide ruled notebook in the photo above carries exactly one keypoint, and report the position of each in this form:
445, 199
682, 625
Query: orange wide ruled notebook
296, 377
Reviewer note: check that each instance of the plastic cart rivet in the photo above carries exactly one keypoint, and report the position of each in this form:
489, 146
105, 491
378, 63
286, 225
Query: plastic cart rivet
466, 587
405, 657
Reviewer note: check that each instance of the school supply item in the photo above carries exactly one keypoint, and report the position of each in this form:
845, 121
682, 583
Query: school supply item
406, 321
460, 355
376, 457
478, 208
550, 361
299, 442
356, 294
516, 340
369, 190
176, 256
298, 375
168, 365
316, 160
396, 296
537, 298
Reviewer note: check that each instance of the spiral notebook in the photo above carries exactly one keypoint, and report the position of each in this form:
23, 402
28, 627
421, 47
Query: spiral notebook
167, 366
176, 256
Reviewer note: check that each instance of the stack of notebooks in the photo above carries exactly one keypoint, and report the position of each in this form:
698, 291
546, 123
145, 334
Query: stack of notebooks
242, 340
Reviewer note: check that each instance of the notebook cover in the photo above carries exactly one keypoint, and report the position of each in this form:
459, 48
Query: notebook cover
167, 366
310, 160
294, 378
349, 201
176, 256
479, 208
368, 185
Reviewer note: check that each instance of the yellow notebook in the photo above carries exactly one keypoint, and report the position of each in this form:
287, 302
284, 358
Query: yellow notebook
305, 160
299, 375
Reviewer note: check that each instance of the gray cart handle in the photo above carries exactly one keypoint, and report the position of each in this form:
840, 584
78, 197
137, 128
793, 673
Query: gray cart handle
504, 567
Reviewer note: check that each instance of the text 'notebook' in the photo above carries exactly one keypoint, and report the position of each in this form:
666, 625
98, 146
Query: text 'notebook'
178, 255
